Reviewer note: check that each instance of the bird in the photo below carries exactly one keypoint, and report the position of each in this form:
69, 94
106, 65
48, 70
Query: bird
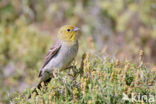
60, 56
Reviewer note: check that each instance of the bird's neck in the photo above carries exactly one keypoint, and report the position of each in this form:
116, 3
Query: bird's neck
70, 43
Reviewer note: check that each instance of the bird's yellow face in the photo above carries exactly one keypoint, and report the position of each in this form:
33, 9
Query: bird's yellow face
68, 33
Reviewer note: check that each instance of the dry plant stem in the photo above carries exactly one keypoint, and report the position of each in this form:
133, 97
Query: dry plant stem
141, 54
81, 69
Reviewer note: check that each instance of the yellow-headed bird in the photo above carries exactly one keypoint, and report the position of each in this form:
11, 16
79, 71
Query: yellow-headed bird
60, 55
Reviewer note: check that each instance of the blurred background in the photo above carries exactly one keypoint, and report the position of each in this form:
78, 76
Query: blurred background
28, 28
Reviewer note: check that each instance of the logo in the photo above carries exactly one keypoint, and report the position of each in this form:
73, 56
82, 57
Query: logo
138, 98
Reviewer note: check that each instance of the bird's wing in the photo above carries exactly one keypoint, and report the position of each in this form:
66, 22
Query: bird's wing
52, 52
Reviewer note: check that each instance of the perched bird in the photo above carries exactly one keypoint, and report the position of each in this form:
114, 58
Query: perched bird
60, 55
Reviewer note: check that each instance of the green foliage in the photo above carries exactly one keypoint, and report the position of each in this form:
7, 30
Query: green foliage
94, 85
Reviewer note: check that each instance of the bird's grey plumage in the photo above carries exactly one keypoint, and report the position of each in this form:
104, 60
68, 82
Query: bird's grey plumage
57, 58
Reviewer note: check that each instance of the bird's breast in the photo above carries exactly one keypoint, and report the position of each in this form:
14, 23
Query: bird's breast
64, 57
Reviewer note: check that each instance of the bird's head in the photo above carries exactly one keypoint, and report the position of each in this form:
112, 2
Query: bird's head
68, 33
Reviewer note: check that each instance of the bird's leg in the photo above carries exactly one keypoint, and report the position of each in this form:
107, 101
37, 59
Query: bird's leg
80, 70
76, 72
70, 67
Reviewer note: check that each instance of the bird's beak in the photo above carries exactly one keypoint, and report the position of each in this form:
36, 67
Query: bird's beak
76, 29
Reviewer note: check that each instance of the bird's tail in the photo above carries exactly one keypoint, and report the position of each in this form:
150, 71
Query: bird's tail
39, 86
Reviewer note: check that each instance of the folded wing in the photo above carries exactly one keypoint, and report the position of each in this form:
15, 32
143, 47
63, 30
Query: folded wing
52, 52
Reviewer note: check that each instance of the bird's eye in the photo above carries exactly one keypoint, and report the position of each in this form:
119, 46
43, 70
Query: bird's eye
68, 29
